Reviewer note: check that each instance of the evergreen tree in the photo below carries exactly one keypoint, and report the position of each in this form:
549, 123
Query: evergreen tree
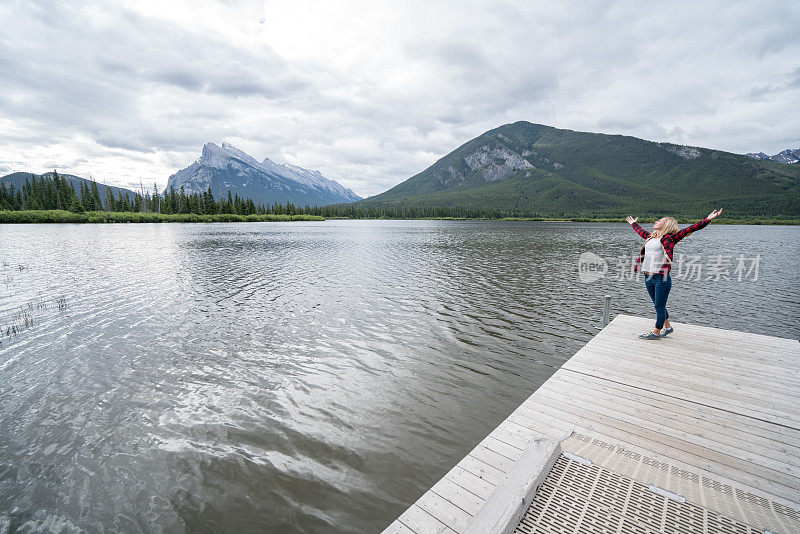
183, 205
110, 199
156, 199
171, 201
96, 202
228, 203
58, 191
208, 201
85, 200
76, 206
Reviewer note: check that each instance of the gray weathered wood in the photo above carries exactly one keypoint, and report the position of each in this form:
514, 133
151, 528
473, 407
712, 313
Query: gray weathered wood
722, 403
501, 512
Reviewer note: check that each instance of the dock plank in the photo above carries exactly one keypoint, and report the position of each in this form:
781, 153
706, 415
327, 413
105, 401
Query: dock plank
458, 495
668, 421
717, 451
751, 406
398, 528
718, 368
481, 469
445, 511
715, 404
745, 427
719, 373
421, 522
466, 479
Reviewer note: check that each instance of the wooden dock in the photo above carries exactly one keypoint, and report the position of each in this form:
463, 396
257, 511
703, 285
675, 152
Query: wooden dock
696, 432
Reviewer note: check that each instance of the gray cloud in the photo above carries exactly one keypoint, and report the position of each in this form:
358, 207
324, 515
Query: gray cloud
371, 94
795, 82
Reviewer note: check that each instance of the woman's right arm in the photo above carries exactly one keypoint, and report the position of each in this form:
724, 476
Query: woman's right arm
639, 230
697, 226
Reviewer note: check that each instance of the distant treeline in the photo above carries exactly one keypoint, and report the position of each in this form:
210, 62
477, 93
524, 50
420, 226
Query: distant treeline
62, 216
375, 210
51, 192
362, 210
371, 211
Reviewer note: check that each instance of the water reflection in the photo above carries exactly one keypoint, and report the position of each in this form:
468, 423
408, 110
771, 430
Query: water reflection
301, 377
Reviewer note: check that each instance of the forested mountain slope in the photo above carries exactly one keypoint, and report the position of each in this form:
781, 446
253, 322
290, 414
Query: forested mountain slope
532, 169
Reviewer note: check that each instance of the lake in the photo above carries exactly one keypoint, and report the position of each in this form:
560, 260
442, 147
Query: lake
309, 377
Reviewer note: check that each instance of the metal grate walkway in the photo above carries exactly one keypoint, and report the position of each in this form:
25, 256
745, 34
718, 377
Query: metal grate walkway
580, 498
698, 432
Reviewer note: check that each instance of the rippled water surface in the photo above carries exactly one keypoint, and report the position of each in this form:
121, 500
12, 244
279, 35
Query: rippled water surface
303, 377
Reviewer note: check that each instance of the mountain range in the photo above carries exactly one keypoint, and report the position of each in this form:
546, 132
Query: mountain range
524, 169
789, 156
532, 169
226, 168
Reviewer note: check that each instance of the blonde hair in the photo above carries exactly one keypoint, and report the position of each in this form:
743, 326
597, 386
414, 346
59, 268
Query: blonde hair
670, 227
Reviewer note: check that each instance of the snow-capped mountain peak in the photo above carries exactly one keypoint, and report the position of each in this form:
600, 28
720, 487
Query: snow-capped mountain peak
218, 156
308, 177
790, 156
227, 168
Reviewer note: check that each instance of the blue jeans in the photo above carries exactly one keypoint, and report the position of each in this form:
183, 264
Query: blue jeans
659, 287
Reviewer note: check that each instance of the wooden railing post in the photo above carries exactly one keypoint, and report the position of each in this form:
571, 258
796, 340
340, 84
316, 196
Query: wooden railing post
606, 311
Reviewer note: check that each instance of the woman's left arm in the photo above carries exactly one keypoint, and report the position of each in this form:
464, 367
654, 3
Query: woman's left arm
696, 226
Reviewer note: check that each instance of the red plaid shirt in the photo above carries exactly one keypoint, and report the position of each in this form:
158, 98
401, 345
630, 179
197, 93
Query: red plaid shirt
668, 242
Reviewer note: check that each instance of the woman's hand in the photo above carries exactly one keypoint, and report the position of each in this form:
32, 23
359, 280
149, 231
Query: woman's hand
714, 214
631, 220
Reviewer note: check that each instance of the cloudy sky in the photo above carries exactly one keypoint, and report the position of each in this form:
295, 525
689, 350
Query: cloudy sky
373, 92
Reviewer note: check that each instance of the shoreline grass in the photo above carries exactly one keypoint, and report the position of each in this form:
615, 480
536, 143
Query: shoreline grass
648, 220
642, 220
62, 216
